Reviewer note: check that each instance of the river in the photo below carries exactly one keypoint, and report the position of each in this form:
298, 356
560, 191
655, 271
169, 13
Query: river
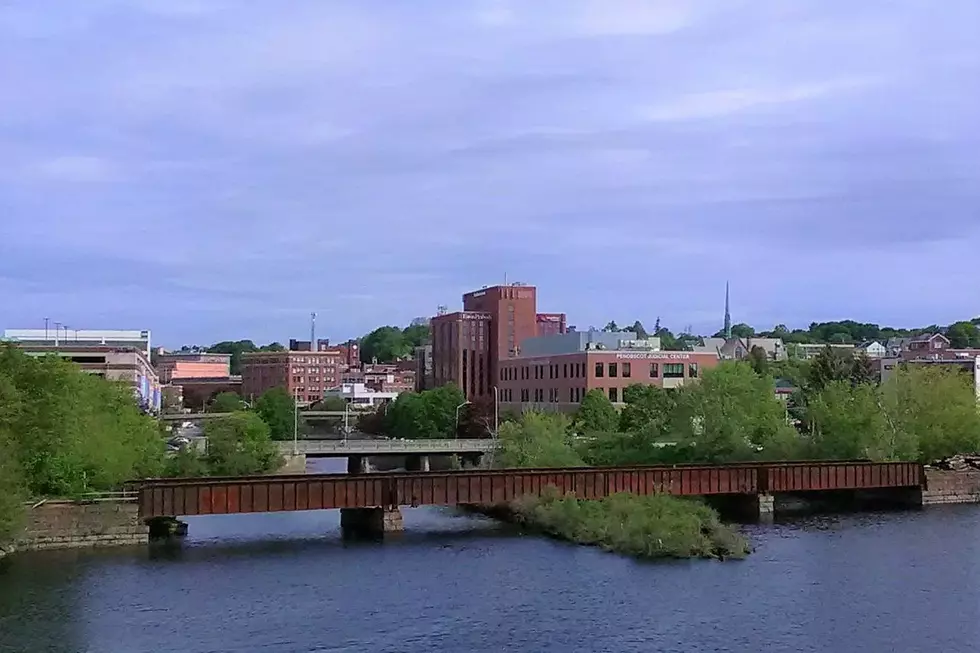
284, 583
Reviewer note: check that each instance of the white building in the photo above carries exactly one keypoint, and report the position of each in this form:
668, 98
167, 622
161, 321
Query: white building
358, 394
58, 334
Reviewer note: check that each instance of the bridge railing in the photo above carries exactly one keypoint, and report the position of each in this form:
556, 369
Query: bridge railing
389, 446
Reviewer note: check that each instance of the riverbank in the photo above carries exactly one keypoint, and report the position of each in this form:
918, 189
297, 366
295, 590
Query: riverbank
656, 526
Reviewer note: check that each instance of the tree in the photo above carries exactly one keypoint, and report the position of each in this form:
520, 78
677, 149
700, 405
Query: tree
742, 330
385, 344
238, 347
637, 328
935, 407
226, 402
277, 408
476, 419
240, 445
416, 334
611, 327
733, 414
333, 404
833, 364
11, 478
536, 440
667, 340
425, 415
648, 408
963, 335
759, 360
186, 463
847, 421
596, 413
72, 432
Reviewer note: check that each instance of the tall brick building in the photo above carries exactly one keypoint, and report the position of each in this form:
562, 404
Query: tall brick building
468, 345
462, 352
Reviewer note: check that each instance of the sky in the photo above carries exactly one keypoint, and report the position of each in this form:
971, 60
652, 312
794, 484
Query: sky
218, 169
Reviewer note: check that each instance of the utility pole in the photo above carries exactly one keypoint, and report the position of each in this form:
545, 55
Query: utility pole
45, 330
57, 332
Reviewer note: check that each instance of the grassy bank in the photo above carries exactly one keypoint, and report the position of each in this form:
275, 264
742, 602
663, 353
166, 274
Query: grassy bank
657, 526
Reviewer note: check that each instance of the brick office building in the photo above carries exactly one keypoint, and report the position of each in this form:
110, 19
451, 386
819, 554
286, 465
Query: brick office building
305, 374
462, 354
561, 381
551, 324
177, 366
467, 345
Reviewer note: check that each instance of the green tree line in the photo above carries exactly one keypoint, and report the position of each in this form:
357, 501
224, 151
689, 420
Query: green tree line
65, 433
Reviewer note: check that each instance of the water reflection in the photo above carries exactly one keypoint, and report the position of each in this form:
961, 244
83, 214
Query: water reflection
287, 582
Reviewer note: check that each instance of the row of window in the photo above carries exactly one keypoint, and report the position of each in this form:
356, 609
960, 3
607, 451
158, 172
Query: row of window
526, 372
554, 395
602, 370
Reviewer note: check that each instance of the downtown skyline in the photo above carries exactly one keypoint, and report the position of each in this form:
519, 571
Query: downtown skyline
216, 172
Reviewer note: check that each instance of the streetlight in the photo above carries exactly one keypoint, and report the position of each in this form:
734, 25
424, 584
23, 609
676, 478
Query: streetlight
346, 421
457, 417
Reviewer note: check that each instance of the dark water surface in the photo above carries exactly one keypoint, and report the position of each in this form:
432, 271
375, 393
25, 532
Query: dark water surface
901, 581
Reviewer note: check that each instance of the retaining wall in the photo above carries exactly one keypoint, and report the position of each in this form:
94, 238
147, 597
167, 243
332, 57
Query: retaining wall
66, 525
946, 486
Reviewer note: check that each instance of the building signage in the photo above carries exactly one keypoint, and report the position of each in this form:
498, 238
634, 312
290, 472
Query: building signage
654, 355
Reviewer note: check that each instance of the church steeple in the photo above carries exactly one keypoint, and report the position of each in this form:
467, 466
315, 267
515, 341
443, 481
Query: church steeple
728, 315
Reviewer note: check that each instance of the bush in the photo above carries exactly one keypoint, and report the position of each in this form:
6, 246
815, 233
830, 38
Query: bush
654, 526
277, 408
240, 445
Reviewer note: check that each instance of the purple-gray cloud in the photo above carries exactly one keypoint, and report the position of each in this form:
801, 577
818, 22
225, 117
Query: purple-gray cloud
213, 169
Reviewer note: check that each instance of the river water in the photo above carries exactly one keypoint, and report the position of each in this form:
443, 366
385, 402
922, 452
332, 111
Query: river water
285, 583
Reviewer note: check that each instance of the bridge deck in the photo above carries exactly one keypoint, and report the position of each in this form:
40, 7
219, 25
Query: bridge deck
211, 496
341, 448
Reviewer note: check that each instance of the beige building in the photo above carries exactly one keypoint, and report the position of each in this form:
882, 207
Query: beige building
126, 364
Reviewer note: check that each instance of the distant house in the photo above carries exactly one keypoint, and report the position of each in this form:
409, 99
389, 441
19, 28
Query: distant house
871, 349
926, 345
895, 346
710, 346
739, 348
808, 351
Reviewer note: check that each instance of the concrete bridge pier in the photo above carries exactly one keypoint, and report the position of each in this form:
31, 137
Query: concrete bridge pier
293, 464
166, 527
744, 507
370, 523
358, 465
417, 463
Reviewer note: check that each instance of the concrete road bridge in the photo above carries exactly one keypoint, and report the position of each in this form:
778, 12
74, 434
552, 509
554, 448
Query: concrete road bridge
357, 452
305, 414
370, 502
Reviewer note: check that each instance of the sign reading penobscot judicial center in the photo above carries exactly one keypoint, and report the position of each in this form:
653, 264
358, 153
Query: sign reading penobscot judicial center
654, 355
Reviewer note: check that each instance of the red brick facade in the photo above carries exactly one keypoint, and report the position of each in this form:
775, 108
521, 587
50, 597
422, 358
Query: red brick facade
563, 380
306, 374
462, 354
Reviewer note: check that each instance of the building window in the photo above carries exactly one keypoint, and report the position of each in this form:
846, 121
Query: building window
692, 370
571, 395
654, 370
627, 370
599, 369
614, 394
565, 370
673, 370
613, 370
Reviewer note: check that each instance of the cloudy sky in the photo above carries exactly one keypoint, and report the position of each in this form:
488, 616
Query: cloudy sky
215, 169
